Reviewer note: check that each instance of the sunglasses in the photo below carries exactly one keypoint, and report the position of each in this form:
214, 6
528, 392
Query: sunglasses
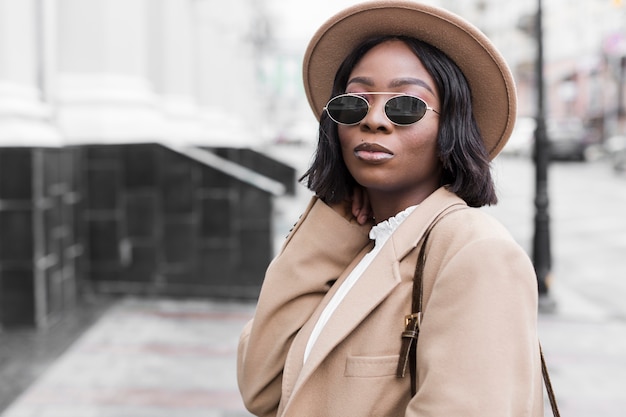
402, 109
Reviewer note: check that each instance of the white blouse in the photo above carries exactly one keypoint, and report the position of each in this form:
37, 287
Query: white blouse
380, 233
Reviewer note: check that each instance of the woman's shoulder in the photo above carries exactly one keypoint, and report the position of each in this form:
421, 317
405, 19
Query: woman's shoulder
471, 223
474, 237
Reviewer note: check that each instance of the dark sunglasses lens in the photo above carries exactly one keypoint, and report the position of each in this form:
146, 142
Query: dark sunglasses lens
347, 110
404, 110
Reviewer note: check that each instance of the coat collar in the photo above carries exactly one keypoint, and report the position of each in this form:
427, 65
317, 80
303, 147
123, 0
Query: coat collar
378, 280
410, 232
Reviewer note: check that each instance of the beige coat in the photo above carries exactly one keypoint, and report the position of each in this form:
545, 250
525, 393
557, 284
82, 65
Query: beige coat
477, 354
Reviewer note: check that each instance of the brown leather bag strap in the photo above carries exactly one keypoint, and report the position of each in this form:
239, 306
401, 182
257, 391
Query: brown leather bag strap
548, 384
412, 321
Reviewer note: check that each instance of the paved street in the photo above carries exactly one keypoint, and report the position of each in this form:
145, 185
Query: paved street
154, 358
146, 358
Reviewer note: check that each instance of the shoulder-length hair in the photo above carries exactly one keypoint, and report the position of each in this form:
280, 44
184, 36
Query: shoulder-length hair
465, 160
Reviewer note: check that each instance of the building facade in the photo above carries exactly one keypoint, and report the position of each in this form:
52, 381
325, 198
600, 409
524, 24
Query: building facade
98, 71
124, 168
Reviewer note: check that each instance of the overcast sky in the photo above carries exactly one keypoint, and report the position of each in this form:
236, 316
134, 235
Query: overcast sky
298, 20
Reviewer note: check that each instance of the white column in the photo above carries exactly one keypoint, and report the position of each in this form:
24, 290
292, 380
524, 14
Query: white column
227, 87
171, 69
25, 120
104, 94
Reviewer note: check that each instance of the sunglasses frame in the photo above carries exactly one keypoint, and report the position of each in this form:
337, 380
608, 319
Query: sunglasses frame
360, 95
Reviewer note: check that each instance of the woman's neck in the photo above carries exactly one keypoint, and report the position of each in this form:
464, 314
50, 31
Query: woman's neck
386, 205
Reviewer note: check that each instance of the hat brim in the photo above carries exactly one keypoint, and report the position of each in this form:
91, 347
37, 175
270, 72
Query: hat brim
491, 83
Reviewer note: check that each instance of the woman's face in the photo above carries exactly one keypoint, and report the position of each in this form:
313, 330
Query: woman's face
390, 161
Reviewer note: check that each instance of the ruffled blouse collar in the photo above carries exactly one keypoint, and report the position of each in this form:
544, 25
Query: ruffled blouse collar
383, 230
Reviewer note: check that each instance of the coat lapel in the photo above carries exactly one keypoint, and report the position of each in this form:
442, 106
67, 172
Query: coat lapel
378, 280
294, 374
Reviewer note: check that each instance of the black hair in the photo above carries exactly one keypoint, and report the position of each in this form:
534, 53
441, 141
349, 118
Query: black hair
465, 160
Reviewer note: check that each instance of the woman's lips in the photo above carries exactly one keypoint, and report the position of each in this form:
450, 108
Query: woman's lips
372, 152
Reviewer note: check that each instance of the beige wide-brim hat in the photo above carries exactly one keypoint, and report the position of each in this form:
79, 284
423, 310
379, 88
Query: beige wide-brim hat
489, 77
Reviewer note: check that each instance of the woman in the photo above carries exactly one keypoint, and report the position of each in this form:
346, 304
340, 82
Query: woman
420, 102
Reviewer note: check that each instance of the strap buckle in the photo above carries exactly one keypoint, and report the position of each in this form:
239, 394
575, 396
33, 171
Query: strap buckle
413, 318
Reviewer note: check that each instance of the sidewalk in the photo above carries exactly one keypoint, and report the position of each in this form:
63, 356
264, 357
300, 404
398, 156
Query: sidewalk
585, 350
146, 358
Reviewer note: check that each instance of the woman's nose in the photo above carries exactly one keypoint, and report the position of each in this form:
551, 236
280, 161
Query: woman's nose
376, 119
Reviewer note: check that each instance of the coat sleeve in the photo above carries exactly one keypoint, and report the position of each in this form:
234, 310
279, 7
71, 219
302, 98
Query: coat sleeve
316, 252
477, 353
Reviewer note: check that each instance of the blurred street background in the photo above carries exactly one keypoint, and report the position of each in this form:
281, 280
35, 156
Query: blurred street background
160, 356
149, 156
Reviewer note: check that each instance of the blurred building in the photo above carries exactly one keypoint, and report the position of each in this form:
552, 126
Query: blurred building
99, 71
584, 54
126, 160
587, 68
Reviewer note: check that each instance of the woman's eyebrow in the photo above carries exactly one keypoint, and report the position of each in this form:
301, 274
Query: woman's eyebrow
411, 81
361, 80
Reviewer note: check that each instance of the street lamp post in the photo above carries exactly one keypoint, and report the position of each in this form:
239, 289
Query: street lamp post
542, 257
